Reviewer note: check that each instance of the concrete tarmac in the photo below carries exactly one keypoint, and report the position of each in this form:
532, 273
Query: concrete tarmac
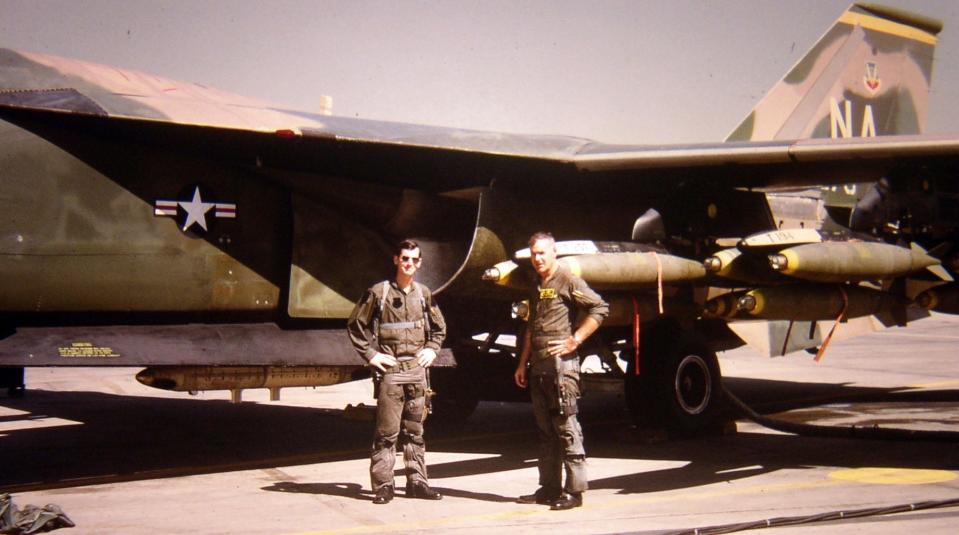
119, 457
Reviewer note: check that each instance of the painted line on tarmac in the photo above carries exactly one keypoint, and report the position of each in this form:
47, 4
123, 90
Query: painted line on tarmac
894, 476
938, 384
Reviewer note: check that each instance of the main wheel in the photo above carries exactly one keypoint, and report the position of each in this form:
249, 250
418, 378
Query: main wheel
692, 378
678, 388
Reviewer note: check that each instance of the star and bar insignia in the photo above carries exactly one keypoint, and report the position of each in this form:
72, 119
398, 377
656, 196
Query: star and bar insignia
194, 210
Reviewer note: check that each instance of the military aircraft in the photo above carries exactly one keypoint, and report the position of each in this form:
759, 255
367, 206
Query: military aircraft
220, 242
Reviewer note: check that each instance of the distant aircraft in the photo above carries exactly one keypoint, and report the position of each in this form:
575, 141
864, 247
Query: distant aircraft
220, 242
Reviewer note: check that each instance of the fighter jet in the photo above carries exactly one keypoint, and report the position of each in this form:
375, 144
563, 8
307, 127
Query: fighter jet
220, 242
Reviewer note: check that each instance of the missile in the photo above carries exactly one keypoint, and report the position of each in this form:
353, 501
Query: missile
842, 261
813, 302
941, 299
238, 378
610, 271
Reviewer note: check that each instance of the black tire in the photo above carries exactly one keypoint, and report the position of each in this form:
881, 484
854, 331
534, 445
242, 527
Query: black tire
679, 387
694, 389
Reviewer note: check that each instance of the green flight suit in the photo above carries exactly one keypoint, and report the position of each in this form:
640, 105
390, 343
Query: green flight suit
400, 400
555, 306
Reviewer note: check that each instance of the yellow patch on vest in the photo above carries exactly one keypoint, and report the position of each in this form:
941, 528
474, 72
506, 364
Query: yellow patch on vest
547, 293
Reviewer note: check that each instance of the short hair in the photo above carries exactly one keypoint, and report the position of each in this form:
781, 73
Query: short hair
541, 235
406, 245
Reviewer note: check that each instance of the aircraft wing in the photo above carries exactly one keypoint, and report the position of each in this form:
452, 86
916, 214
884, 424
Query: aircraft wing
441, 159
135, 106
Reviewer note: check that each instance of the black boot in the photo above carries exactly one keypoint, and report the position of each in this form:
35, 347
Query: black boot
422, 491
568, 501
542, 496
384, 495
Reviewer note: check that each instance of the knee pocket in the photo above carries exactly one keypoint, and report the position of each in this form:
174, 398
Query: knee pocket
383, 443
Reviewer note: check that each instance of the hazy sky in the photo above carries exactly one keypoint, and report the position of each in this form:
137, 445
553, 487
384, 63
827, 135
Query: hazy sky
617, 71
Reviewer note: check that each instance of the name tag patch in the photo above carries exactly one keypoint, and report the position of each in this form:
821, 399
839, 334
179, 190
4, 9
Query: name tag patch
547, 293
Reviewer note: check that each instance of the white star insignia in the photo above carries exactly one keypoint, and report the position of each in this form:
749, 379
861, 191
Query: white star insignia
196, 210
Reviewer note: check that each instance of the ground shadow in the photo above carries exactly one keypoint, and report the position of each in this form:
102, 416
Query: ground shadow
126, 438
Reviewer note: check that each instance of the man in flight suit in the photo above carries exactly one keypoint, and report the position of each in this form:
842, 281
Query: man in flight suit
398, 329
549, 348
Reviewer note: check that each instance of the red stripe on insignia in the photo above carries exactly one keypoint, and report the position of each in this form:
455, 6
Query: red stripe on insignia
226, 210
165, 208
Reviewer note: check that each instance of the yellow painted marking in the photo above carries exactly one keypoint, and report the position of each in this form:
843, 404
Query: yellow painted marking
760, 302
792, 261
937, 384
888, 26
893, 476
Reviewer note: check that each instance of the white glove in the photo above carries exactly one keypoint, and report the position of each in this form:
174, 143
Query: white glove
425, 357
381, 361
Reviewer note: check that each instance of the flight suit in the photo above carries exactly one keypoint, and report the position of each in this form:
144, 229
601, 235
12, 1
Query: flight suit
555, 306
407, 323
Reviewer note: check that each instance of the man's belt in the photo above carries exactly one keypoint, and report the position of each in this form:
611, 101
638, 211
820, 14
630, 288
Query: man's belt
403, 366
541, 340
418, 324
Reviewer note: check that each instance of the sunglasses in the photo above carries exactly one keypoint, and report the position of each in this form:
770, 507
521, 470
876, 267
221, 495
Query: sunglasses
415, 260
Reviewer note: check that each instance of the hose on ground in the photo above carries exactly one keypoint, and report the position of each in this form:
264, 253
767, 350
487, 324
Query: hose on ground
817, 517
871, 432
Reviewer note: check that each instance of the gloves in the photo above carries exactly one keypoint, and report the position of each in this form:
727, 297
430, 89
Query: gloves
381, 361
425, 357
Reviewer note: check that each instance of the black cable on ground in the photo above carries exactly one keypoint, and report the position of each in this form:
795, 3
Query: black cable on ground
818, 517
874, 432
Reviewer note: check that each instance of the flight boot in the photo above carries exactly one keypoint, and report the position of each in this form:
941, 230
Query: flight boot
542, 496
384, 495
422, 491
568, 501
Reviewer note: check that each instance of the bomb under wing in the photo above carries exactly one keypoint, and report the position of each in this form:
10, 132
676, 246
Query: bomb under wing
613, 271
941, 299
843, 261
810, 302
733, 264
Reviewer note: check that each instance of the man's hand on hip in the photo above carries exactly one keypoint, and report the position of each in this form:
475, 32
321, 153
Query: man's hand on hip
425, 357
558, 348
381, 361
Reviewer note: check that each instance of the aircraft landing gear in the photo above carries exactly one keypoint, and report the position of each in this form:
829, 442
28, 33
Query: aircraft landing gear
679, 386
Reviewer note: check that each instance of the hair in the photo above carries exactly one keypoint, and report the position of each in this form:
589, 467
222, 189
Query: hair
406, 245
541, 235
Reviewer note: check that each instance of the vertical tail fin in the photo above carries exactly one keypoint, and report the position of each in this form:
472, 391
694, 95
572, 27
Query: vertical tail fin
868, 75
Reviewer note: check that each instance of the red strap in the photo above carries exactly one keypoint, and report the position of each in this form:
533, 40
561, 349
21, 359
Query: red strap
635, 336
845, 305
